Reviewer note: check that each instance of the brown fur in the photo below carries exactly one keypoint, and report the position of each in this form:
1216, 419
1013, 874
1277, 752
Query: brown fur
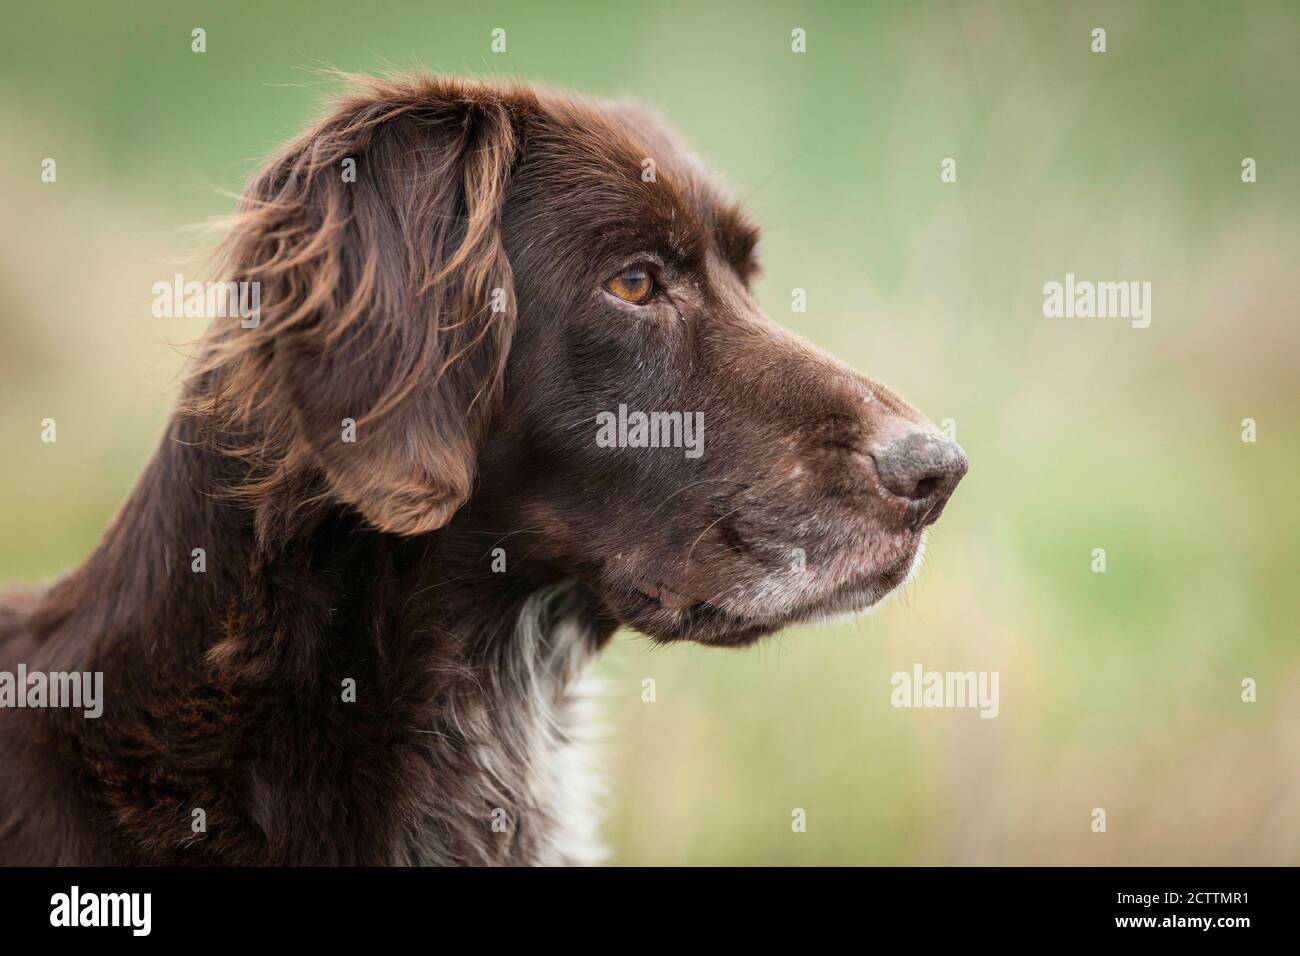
372, 560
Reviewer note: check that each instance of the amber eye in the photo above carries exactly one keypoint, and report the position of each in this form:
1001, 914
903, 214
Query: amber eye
632, 285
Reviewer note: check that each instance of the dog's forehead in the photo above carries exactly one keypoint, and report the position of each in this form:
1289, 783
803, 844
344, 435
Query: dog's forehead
649, 129
670, 152
630, 148
625, 135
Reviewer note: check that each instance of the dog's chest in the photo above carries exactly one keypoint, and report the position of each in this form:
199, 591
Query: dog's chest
524, 791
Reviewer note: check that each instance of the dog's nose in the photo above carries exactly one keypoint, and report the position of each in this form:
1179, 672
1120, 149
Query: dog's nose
922, 468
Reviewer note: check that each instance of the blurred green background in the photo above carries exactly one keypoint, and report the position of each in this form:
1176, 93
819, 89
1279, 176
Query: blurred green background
1118, 690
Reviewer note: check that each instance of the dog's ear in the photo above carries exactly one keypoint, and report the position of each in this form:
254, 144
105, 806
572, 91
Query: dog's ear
375, 358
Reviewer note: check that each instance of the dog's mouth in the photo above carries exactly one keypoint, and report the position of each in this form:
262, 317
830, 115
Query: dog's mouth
668, 612
668, 615
667, 597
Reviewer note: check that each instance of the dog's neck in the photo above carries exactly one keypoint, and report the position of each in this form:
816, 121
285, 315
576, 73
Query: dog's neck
345, 696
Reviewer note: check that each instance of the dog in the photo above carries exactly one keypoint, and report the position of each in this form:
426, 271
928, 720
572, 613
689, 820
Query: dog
345, 615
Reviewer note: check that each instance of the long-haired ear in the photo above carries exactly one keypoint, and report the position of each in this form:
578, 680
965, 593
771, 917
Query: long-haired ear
374, 363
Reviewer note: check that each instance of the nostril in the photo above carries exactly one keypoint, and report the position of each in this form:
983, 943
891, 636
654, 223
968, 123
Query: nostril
924, 488
909, 486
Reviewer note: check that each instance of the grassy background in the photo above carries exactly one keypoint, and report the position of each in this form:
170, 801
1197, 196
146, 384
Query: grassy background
1119, 690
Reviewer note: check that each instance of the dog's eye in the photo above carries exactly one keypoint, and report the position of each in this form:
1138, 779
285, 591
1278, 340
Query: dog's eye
632, 285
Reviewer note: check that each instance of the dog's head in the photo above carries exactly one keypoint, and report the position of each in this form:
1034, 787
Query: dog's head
538, 309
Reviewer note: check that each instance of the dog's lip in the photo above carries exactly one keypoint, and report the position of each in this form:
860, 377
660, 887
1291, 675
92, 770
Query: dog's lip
669, 598
864, 589
877, 582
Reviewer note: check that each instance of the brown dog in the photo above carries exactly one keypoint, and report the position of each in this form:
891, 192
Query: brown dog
507, 391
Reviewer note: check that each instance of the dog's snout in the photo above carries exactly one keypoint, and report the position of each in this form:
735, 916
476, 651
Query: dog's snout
922, 468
